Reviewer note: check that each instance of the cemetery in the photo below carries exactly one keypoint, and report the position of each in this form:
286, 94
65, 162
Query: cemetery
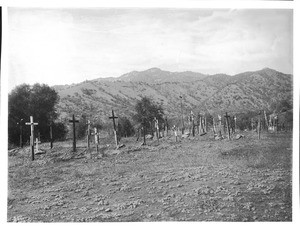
197, 170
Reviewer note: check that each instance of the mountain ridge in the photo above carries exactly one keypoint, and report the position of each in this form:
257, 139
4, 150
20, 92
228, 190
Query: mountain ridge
251, 90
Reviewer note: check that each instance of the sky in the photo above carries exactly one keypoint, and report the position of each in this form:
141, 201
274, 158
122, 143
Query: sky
65, 45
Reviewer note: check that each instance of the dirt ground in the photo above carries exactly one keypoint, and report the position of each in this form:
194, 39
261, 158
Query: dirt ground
195, 179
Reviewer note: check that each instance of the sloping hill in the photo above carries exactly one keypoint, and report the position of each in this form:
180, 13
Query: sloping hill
215, 93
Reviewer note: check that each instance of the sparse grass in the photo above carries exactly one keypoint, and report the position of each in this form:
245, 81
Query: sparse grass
197, 179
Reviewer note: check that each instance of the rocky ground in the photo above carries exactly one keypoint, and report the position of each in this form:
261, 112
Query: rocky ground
195, 179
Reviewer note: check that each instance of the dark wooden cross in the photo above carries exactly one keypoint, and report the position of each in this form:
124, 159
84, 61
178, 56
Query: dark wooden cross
32, 124
74, 134
156, 127
193, 123
227, 122
258, 125
113, 117
20, 123
51, 134
144, 130
88, 133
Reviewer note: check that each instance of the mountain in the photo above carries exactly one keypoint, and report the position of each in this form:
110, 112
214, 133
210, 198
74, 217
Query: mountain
206, 93
156, 75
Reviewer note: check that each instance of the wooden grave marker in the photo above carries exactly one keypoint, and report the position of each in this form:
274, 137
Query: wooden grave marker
51, 134
156, 126
32, 124
193, 123
227, 122
258, 125
88, 133
73, 120
113, 117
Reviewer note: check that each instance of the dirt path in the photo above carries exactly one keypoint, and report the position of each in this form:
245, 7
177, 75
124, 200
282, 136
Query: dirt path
197, 179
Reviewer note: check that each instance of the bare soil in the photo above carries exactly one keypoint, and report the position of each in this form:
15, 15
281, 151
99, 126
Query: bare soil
195, 179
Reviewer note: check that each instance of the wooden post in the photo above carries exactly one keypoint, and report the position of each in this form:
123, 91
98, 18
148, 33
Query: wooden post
113, 117
96, 134
156, 128
51, 135
258, 125
193, 123
214, 126
182, 121
32, 124
144, 131
220, 125
88, 133
266, 119
200, 125
227, 122
74, 133
175, 132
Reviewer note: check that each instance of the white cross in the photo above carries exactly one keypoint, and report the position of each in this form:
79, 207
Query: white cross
32, 124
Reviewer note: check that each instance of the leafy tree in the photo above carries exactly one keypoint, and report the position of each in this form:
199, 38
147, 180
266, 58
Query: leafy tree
146, 110
280, 106
125, 128
81, 127
59, 131
24, 101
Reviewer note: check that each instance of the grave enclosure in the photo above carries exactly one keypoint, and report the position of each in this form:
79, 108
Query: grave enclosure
222, 127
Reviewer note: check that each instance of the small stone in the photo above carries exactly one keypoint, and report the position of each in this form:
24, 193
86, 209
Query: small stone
108, 210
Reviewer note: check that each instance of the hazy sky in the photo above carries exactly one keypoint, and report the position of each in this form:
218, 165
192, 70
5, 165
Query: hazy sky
64, 46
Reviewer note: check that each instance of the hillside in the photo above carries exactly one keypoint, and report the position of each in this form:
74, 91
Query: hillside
213, 93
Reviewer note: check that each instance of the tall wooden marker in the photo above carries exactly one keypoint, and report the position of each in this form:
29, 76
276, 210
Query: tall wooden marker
88, 133
113, 117
51, 134
74, 133
156, 128
193, 123
227, 122
32, 124
96, 134
258, 125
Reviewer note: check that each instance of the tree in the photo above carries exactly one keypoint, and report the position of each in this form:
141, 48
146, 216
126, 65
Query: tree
125, 128
24, 101
280, 106
146, 110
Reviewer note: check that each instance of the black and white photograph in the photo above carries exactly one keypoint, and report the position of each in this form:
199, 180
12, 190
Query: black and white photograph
150, 114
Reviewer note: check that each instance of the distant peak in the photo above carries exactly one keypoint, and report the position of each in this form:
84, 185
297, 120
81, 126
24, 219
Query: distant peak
154, 69
267, 69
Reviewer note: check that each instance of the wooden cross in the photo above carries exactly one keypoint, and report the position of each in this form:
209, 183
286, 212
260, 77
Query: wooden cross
113, 117
166, 126
88, 133
32, 124
227, 122
193, 123
258, 125
74, 134
51, 134
144, 130
156, 128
